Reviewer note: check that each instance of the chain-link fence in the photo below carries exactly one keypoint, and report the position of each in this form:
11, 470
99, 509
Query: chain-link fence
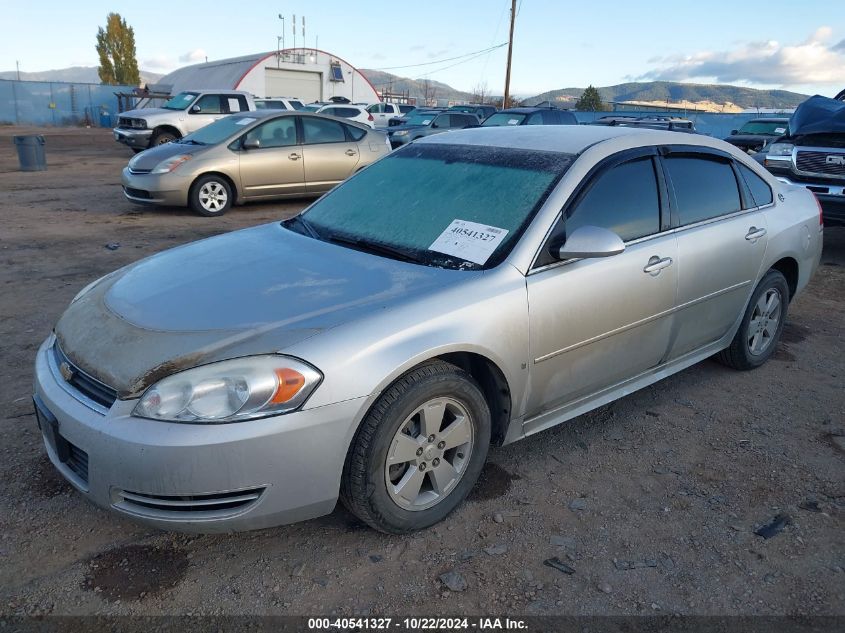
58, 103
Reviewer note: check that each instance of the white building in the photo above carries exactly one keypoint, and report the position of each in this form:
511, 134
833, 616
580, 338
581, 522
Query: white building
307, 74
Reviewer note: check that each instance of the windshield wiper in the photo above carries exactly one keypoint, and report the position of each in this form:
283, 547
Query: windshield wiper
305, 224
374, 247
189, 141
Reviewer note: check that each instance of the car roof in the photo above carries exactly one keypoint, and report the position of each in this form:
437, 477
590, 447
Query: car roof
525, 110
567, 139
770, 119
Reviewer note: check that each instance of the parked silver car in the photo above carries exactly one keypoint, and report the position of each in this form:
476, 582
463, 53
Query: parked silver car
373, 347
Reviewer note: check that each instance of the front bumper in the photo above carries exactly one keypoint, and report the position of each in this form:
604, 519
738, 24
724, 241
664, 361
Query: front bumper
831, 196
164, 189
137, 139
196, 478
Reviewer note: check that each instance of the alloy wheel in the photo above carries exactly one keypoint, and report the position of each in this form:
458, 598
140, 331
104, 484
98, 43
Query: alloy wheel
763, 326
213, 197
429, 454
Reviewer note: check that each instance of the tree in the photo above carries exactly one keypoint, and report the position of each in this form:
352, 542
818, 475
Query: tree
429, 93
480, 94
590, 100
116, 48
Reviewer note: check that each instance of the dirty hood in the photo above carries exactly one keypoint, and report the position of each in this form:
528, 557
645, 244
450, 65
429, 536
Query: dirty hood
254, 291
145, 113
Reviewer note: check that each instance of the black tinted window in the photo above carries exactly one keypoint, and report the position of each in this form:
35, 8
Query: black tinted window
355, 133
322, 131
760, 190
704, 188
442, 121
624, 200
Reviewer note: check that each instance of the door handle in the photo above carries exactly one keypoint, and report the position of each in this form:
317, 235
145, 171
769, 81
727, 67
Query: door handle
351, 152
294, 156
754, 234
655, 265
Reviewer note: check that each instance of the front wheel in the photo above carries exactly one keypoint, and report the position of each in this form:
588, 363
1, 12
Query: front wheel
761, 326
210, 195
419, 451
162, 137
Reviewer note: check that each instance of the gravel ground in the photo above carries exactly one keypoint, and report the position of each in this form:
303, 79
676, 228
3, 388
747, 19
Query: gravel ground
646, 506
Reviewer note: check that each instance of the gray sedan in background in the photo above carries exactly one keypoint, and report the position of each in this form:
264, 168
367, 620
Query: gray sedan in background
426, 124
372, 348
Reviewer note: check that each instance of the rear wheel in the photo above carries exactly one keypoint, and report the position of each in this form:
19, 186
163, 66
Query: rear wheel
760, 330
419, 451
210, 195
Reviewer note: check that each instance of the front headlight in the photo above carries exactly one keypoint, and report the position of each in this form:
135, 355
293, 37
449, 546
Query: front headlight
780, 149
401, 133
230, 391
171, 163
141, 124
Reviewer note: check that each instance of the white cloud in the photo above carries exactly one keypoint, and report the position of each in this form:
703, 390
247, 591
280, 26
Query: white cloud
813, 61
158, 62
195, 56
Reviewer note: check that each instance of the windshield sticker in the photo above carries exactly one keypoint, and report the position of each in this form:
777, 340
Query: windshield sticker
780, 130
469, 240
244, 121
513, 121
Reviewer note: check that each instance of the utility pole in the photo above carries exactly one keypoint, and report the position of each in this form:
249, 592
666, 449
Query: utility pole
510, 51
18, 67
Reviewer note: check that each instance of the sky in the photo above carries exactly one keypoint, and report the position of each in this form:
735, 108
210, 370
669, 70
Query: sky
557, 43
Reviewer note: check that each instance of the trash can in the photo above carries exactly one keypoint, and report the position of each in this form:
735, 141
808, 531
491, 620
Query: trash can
31, 153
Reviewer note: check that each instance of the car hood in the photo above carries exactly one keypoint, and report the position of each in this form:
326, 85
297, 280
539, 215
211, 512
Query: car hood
146, 113
253, 291
818, 115
397, 128
149, 158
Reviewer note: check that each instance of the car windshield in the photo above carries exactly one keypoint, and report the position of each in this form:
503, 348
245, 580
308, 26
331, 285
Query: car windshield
503, 118
219, 130
420, 118
180, 101
416, 199
768, 128
312, 107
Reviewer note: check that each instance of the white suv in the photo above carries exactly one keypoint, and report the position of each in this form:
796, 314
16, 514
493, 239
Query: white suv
348, 111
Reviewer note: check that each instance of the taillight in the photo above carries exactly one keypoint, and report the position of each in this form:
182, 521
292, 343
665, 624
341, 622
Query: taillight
370, 117
819, 205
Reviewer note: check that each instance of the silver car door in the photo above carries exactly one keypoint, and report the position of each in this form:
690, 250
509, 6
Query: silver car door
721, 242
594, 323
328, 155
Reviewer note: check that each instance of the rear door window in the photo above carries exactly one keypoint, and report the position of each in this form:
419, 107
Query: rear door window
704, 187
760, 190
318, 131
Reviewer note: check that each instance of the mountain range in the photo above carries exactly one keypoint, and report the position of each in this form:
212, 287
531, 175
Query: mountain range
654, 92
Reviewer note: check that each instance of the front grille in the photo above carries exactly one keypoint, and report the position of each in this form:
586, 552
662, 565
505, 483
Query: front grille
130, 124
820, 162
88, 386
77, 461
200, 506
137, 193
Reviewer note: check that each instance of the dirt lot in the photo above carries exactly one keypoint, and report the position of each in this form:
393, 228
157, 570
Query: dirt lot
652, 501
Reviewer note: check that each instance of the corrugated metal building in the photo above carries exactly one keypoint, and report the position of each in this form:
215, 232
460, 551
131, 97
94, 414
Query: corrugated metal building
307, 74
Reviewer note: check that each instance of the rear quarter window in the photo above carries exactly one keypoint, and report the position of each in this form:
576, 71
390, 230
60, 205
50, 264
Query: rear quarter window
704, 187
760, 190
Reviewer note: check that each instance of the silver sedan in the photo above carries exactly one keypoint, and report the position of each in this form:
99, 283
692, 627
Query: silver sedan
472, 288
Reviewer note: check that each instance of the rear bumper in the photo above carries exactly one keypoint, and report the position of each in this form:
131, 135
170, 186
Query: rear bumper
191, 477
137, 139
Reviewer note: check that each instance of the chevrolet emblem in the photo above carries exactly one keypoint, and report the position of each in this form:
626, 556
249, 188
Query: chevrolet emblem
66, 371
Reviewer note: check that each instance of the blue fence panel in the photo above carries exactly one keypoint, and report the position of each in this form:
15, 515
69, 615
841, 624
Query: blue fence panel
58, 103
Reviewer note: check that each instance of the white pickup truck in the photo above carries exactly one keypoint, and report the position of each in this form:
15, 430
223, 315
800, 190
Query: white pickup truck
184, 113
383, 112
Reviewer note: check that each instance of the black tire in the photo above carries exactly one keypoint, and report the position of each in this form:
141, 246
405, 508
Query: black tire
199, 200
738, 354
161, 137
136, 150
363, 486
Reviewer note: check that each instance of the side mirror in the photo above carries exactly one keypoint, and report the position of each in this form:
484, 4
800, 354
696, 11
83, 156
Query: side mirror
251, 143
733, 132
195, 109
590, 241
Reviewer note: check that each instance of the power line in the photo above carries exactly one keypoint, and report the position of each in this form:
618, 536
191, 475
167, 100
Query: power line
448, 59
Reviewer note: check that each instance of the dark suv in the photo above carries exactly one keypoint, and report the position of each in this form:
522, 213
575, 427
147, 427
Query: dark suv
530, 116
481, 111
